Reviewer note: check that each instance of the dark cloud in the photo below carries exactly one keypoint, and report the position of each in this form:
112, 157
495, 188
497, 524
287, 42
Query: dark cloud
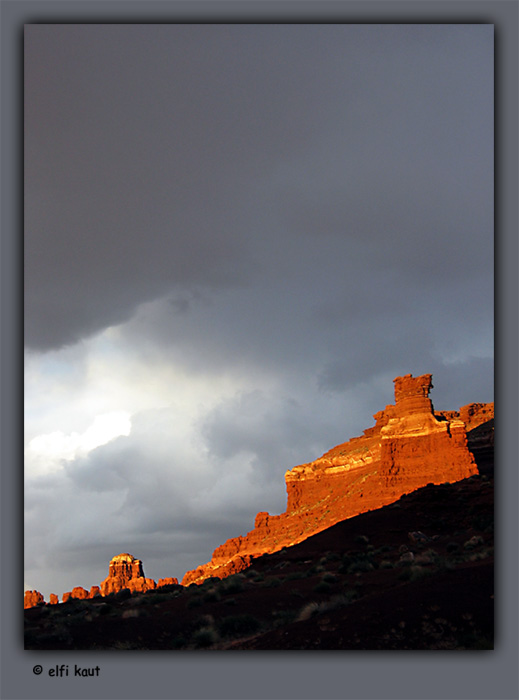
152, 156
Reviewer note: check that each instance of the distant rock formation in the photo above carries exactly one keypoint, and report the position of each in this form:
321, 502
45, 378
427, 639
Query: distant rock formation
125, 571
409, 447
78, 592
170, 581
32, 598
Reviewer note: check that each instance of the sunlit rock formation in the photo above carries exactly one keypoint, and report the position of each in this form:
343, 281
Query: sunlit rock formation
78, 592
409, 447
32, 598
125, 571
169, 581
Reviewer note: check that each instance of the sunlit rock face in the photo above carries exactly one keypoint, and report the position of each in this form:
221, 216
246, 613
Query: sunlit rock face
125, 571
409, 447
32, 598
77, 592
169, 581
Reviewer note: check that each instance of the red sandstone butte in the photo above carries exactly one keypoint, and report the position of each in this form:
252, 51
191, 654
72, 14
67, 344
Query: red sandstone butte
408, 447
125, 571
53, 600
32, 598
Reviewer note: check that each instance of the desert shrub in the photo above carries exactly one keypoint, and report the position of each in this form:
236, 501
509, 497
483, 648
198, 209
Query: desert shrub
273, 582
283, 617
308, 611
345, 564
479, 556
313, 608
178, 642
233, 584
194, 602
413, 573
317, 569
452, 547
153, 599
211, 596
362, 539
230, 601
360, 566
328, 577
384, 548
338, 601
251, 573
205, 637
238, 625
332, 556
123, 594
281, 565
295, 575
210, 582
168, 588
259, 578
386, 564
322, 587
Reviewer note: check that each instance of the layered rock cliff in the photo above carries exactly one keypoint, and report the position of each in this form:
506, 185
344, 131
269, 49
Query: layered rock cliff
409, 447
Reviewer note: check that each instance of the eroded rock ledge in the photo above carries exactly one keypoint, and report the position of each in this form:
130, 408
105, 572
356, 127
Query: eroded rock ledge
409, 447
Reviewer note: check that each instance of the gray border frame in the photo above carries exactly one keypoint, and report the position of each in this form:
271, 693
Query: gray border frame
229, 675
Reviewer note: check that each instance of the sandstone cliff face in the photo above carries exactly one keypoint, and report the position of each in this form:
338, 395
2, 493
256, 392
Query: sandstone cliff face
408, 447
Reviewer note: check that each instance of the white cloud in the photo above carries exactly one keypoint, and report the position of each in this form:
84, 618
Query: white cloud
47, 453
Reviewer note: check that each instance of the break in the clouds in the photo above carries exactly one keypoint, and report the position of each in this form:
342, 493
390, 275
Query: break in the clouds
236, 236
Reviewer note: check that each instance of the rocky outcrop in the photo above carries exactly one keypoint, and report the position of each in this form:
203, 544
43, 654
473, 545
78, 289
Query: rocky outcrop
32, 598
409, 447
78, 592
125, 571
170, 581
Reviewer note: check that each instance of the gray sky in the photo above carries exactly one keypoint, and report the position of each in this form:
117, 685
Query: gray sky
236, 236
